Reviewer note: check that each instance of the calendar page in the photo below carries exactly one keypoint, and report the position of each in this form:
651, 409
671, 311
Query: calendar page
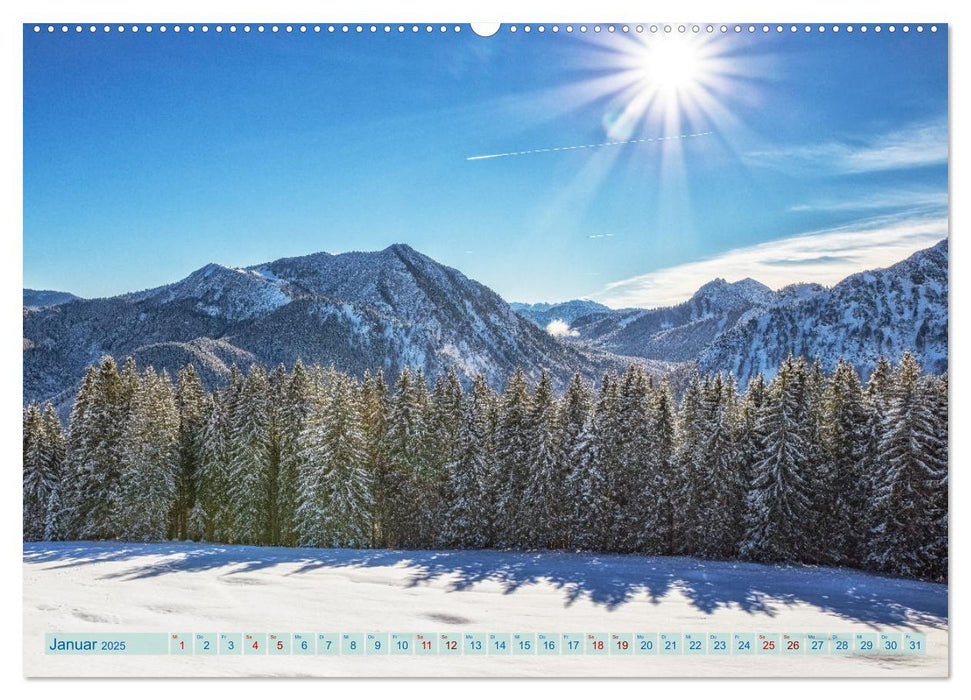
446, 349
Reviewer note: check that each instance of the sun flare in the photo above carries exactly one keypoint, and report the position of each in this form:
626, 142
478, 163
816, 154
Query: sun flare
667, 83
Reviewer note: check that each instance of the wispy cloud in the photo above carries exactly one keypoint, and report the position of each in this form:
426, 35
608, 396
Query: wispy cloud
889, 199
915, 145
824, 256
601, 235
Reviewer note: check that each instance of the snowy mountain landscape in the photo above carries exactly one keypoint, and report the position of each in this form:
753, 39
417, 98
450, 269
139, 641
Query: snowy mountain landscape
396, 308
431, 414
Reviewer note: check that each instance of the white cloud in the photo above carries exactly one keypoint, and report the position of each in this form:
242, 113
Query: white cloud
558, 328
825, 257
915, 145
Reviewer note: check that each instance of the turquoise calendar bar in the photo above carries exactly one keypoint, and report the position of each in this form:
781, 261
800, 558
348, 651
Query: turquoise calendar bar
505, 644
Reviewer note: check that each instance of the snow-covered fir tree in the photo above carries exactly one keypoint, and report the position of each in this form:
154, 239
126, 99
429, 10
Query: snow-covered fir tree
691, 472
573, 420
42, 468
212, 516
190, 399
250, 481
511, 454
407, 441
779, 506
843, 493
374, 414
657, 531
99, 461
294, 407
543, 488
333, 482
147, 488
723, 486
627, 479
588, 480
443, 423
465, 522
911, 470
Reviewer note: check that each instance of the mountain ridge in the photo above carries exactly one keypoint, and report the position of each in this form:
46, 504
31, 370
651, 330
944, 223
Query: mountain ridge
397, 307
718, 325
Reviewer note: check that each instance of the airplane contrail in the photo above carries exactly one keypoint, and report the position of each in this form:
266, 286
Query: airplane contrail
589, 145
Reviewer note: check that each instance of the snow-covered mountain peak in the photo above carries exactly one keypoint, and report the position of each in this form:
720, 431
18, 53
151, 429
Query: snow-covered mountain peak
719, 295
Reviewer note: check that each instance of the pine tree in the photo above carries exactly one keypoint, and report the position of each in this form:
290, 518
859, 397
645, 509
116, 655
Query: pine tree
465, 522
76, 458
55, 466
591, 454
842, 493
406, 444
628, 478
511, 456
779, 506
574, 418
937, 546
190, 398
909, 473
443, 426
291, 418
724, 488
250, 481
657, 532
543, 487
99, 458
334, 483
147, 488
690, 473
40, 473
374, 410
212, 516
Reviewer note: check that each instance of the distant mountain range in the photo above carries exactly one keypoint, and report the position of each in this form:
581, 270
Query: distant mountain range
396, 307
746, 328
543, 314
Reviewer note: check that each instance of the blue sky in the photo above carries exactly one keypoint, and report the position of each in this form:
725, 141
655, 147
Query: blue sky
147, 156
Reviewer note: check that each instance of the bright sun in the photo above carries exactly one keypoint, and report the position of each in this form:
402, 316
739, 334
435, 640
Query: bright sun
665, 82
671, 65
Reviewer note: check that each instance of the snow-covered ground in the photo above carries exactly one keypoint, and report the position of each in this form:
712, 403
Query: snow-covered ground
185, 587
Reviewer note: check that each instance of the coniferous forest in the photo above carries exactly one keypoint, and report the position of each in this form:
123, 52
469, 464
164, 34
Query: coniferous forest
811, 467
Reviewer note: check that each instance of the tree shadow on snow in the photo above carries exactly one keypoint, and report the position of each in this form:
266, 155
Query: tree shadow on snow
604, 579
